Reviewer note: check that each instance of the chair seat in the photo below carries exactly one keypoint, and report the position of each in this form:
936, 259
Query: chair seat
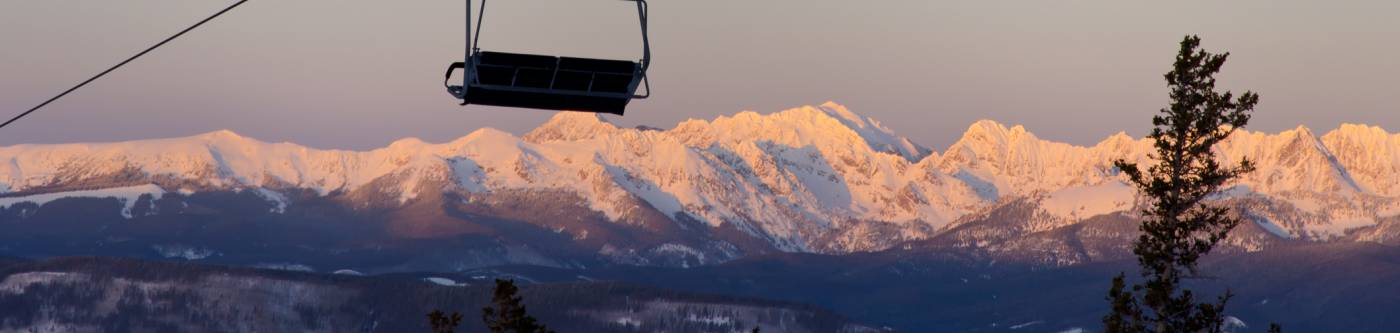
545, 100
553, 83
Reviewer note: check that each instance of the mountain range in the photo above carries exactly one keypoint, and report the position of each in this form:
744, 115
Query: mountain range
578, 191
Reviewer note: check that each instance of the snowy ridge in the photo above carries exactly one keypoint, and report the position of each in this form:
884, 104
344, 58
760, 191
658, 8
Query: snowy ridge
127, 195
814, 178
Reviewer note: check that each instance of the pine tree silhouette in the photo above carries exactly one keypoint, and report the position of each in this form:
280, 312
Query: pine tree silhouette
1179, 227
444, 323
507, 314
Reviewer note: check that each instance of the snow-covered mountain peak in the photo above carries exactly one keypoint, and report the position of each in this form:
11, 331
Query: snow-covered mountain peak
1293, 160
1297, 140
990, 132
1370, 155
1360, 132
219, 138
827, 127
1117, 139
223, 134
988, 141
840, 111
1124, 146
409, 143
874, 133
1302, 132
984, 129
484, 133
571, 126
1302, 138
1003, 161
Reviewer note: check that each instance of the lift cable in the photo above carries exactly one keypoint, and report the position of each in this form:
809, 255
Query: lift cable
109, 70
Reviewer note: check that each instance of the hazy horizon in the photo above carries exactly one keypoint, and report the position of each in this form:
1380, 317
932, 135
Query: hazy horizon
360, 74
612, 119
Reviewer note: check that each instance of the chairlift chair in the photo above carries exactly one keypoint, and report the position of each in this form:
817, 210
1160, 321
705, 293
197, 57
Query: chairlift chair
549, 82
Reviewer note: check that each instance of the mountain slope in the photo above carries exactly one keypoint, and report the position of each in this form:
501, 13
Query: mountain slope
56, 295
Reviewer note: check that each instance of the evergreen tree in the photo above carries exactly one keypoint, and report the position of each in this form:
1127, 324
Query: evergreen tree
444, 323
507, 314
1179, 227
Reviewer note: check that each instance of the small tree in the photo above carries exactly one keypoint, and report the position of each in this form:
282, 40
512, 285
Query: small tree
1179, 227
506, 312
444, 323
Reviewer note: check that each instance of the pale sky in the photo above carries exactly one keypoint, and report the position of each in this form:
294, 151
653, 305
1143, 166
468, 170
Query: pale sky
358, 74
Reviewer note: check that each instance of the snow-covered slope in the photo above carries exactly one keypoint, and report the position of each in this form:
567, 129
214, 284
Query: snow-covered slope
815, 178
126, 195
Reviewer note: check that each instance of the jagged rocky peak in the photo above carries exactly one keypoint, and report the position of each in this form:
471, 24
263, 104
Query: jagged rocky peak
1303, 134
1359, 134
1290, 147
987, 131
1292, 160
984, 141
1301, 140
1370, 154
1362, 129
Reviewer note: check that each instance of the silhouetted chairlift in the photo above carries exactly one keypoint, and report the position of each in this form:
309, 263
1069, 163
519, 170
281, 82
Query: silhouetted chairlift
549, 82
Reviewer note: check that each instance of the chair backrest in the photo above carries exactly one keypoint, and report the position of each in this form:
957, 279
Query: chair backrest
612, 76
